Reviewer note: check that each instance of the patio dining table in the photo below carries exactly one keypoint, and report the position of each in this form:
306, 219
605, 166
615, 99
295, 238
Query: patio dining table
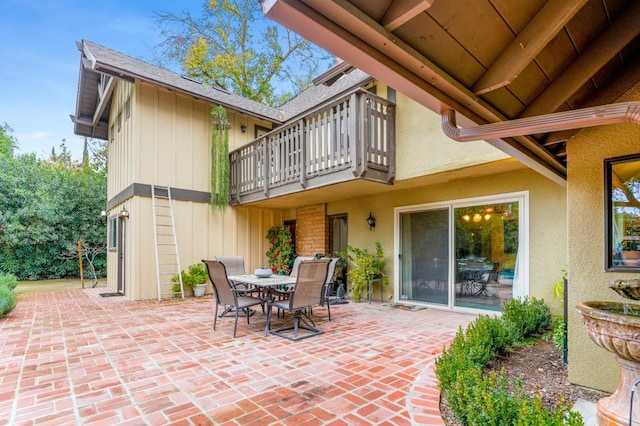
272, 281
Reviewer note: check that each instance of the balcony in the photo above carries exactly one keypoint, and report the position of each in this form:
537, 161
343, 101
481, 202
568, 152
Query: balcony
343, 140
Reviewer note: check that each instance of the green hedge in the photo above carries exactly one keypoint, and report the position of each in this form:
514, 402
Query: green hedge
8, 280
7, 297
477, 398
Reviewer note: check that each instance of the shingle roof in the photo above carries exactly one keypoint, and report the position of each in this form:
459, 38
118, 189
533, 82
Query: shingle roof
97, 60
315, 95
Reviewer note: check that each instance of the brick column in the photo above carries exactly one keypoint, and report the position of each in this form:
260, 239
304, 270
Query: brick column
311, 230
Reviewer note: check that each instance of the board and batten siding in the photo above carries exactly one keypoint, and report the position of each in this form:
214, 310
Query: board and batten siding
165, 140
120, 137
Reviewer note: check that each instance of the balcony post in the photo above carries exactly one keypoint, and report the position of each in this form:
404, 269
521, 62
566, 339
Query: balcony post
356, 129
266, 161
236, 166
391, 142
302, 154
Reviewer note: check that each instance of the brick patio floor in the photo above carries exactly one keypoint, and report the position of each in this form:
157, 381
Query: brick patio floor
75, 358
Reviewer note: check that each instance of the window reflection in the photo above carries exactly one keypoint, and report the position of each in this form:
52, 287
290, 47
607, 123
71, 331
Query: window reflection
623, 218
486, 248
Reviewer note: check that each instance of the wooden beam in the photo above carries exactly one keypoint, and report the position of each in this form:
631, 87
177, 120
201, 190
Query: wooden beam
528, 44
605, 47
105, 90
607, 94
401, 11
559, 137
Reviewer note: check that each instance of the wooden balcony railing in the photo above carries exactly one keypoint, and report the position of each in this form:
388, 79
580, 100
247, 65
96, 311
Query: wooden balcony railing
350, 138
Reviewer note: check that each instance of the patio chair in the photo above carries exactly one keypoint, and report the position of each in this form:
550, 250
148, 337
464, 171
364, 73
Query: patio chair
296, 264
228, 296
308, 291
328, 286
235, 266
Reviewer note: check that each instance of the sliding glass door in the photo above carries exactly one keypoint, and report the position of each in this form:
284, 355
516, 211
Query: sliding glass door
462, 254
425, 256
486, 249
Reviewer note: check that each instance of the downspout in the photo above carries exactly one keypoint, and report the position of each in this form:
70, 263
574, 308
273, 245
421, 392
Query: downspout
626, 112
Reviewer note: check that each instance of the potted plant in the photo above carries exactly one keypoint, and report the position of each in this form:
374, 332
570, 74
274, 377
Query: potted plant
368, 266
281, 252
195, 278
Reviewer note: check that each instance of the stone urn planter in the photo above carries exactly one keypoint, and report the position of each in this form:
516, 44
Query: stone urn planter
615, 326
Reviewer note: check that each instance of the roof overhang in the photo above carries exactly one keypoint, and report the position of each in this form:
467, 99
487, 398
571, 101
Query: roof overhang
371, 35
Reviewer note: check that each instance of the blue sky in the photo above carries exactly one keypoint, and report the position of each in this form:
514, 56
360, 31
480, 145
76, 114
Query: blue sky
40, 61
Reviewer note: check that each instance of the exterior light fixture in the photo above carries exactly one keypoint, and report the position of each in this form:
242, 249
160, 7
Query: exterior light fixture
243, 128
124, 213
371, 221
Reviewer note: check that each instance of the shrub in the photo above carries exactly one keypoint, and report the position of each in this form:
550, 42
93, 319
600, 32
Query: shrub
7, 300
527, 316
477, 398
558, 332
9, 280
281, 250
197, 274
367, 266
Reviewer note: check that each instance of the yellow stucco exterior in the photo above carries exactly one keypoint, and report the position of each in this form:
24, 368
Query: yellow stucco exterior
589, 365
547, 213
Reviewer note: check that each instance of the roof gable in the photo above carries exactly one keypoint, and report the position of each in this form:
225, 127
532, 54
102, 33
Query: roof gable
99, 65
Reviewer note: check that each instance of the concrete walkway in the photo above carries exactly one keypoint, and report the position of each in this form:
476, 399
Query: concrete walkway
75, 358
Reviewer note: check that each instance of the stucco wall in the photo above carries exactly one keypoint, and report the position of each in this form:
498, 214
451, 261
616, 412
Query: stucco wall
589, 365
547, 224
423, 148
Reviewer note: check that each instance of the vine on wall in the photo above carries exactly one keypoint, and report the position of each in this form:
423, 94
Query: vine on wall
220, 159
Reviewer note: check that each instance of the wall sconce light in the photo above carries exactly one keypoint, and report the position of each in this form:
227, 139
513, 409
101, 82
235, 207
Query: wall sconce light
124, 213
243, 128
371, 221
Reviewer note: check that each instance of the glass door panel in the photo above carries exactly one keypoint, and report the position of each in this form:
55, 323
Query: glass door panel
424, 249
486, 249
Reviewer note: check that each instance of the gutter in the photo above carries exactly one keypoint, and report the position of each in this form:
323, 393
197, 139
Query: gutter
626, 112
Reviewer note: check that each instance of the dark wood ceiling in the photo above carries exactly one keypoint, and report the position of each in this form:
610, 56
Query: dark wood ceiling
491, 60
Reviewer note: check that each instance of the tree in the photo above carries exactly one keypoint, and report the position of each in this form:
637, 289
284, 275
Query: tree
45, 206
7, 142
235, 47
99, 151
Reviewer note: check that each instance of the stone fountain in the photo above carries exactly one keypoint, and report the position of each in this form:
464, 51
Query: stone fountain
615, 326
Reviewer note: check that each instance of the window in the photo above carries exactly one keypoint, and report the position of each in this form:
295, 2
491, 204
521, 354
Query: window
261, 131
113, 233
127, 108
119, 121
337, 234
466, 254
622, 213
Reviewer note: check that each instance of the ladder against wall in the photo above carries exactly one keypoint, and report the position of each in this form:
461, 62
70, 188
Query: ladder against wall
166, 243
